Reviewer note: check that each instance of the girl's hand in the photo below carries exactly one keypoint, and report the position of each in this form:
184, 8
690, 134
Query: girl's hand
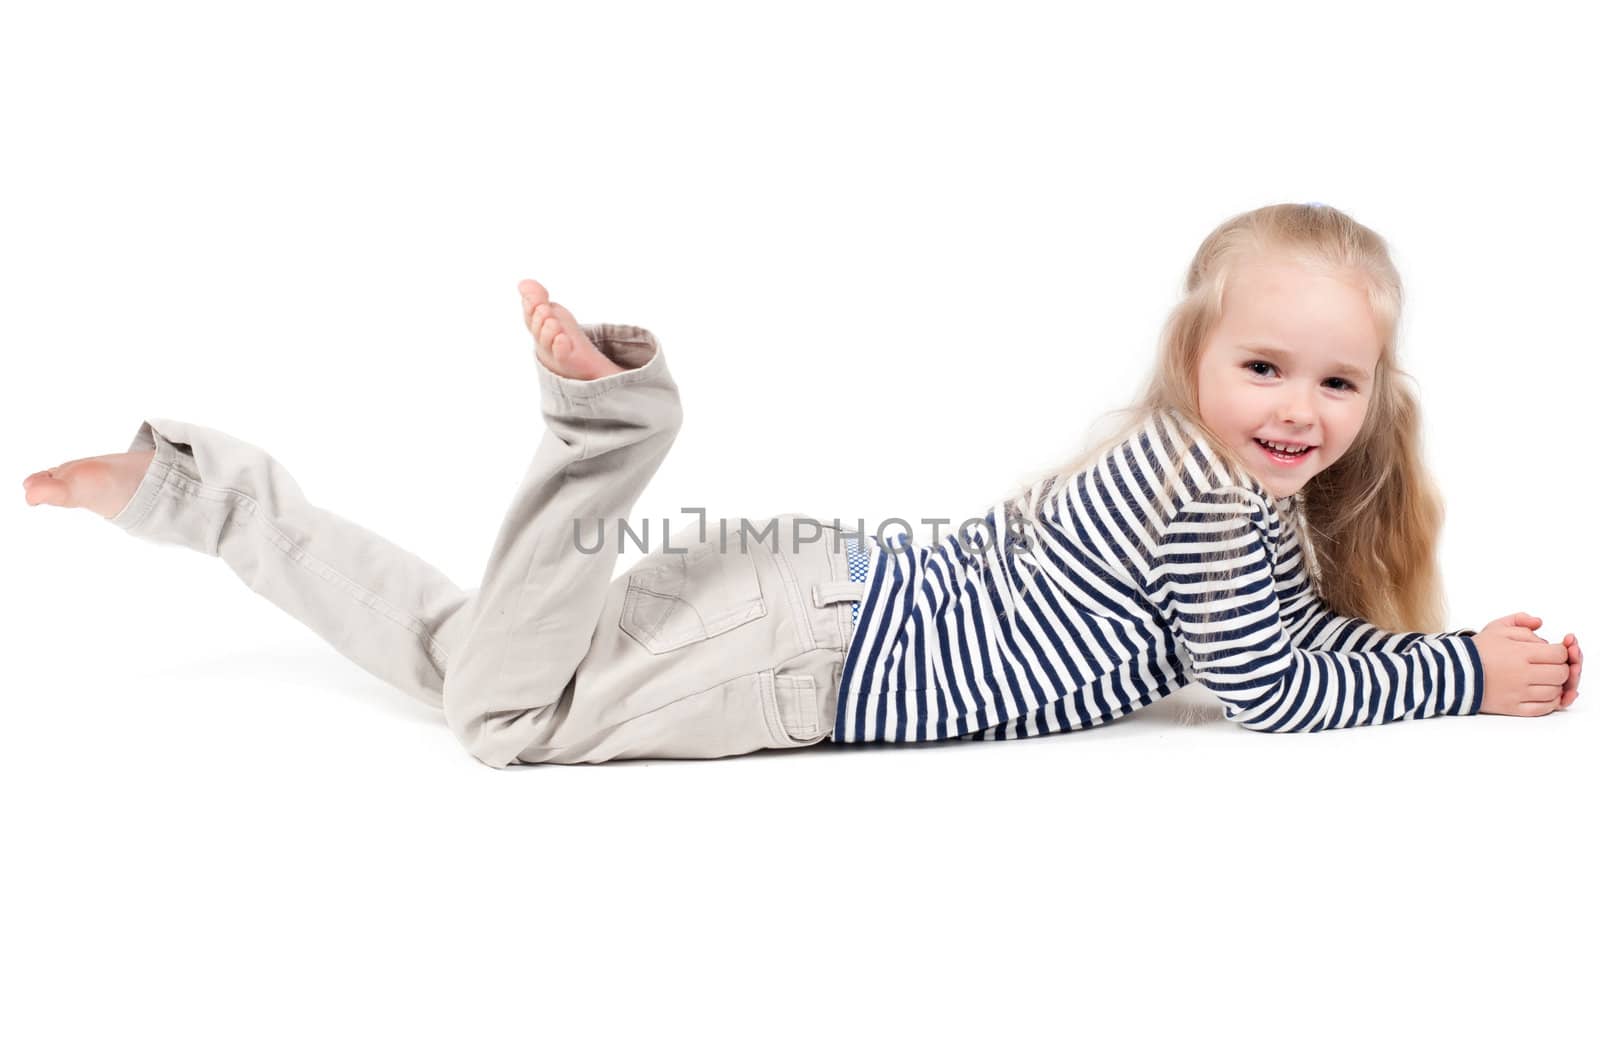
1523, 675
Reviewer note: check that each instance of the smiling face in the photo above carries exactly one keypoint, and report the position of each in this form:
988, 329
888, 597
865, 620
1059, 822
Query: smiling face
1291, 362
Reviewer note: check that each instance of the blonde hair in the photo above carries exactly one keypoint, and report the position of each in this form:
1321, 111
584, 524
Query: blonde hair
1369, 524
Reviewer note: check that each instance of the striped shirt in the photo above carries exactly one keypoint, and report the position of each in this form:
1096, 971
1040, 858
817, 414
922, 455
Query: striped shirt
1113, 618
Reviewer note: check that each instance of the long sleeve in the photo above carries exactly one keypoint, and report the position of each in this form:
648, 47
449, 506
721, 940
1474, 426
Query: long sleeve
1311, 624
1340, 673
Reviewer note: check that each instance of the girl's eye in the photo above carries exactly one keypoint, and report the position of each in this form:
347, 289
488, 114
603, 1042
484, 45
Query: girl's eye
1347, 385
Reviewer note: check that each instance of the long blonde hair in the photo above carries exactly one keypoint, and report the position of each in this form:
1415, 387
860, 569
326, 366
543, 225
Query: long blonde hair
1369, 524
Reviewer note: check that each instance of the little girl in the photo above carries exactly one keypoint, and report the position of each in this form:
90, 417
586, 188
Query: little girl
1256, 522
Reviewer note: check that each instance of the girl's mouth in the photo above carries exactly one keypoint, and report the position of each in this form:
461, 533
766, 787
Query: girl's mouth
1280, 458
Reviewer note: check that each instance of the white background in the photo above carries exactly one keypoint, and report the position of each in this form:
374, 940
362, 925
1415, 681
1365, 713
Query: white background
899, 256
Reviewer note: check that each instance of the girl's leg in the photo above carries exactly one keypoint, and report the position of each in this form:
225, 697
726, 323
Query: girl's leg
495, 660
535, 615
382, 607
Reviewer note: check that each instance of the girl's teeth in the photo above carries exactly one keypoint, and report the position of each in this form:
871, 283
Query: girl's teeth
1284, 457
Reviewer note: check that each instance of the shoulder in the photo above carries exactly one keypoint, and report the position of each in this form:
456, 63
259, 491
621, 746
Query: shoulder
1196, 477
1163, 468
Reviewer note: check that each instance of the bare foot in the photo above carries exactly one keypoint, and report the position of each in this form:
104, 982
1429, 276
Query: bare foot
559, 342
103, 484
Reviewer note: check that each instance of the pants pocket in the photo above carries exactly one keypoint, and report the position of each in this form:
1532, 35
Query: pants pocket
794, 709
674, 600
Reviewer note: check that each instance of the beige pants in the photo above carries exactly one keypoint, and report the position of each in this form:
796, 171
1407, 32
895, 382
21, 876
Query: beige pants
726, 638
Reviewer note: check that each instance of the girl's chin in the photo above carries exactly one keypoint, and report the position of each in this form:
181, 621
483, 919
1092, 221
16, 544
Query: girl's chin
1284, 480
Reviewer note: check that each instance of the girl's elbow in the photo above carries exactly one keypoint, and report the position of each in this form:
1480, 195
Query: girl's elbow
1265, 720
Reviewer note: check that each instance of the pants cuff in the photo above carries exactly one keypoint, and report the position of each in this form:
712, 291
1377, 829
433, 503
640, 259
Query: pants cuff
168, 461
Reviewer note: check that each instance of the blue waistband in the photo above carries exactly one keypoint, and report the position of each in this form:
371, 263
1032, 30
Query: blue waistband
856, 556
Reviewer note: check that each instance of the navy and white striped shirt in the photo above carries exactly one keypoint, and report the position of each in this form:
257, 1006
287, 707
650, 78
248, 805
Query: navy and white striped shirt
1112, 621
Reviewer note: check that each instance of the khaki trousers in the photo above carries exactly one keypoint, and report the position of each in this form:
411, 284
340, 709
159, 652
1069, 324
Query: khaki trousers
727, 637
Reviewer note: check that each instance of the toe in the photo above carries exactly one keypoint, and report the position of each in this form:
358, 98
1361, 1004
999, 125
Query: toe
47, 490
564, 315
536, 319
549, 329
533, 293
580, 338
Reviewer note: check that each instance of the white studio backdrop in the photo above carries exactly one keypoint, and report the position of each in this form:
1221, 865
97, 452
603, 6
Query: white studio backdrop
899, 257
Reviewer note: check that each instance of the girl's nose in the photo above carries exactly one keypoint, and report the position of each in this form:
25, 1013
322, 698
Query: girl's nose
1295, 409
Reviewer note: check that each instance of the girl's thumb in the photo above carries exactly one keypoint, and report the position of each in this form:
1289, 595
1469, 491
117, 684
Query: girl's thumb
1527, 620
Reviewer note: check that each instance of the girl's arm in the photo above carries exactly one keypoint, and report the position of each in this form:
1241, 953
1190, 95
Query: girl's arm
1216, 546
1310, 623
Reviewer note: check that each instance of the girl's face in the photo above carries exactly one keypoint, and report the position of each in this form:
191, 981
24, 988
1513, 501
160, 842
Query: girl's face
1291, 362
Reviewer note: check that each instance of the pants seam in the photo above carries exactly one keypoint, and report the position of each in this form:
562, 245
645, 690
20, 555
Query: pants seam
791, 586
184, 484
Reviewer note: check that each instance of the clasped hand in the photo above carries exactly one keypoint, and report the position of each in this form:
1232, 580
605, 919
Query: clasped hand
1524, 675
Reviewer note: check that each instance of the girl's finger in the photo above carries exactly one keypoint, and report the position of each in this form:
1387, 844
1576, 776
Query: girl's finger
1569, 692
